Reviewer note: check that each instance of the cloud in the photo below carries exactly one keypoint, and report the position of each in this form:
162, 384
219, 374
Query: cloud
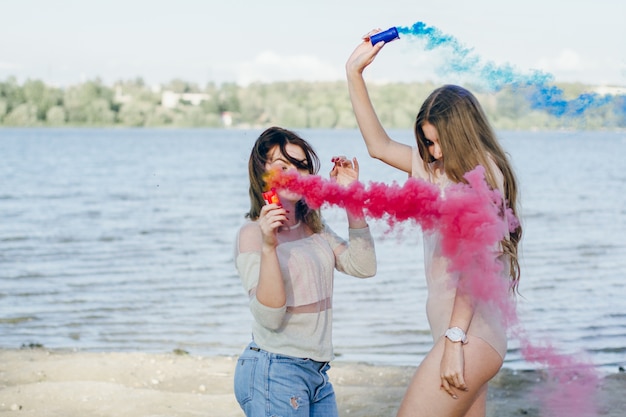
268, 66
10, 66
567, 60
570, 66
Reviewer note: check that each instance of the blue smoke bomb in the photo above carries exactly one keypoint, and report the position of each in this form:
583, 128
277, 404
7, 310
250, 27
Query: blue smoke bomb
387, 36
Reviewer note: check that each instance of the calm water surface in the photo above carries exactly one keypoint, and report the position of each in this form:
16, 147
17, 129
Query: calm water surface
121, 240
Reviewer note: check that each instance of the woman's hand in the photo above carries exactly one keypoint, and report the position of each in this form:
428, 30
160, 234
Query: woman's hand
452, 364
271, 218
344, 171
364, 54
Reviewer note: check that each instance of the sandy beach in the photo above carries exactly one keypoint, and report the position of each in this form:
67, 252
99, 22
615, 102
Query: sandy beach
40, 382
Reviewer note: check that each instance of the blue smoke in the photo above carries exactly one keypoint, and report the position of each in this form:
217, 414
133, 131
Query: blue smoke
540, 93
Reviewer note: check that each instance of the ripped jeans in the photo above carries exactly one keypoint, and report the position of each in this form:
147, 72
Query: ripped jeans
272, 385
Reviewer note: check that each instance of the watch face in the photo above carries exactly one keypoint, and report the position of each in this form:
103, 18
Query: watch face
455, 334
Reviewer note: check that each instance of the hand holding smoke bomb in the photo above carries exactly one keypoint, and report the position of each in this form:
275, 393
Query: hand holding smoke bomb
271, 197
388, 35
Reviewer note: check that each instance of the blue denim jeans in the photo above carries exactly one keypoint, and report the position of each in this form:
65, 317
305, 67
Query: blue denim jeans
272, 385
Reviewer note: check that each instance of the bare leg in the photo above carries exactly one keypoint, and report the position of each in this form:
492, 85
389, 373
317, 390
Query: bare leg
479, 408
425, 398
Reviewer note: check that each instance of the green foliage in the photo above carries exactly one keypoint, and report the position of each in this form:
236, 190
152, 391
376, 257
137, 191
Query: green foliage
24, 114
295, 104
4, 106
11, 93
55, 116
89, 104
135, 113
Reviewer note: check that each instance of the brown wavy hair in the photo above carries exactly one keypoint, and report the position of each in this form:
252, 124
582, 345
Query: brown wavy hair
467, 140
277, 136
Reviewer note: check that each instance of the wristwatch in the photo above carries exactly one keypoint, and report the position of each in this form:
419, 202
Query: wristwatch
456, 334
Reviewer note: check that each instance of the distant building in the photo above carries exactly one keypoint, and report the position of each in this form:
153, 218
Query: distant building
227, 119
170, 99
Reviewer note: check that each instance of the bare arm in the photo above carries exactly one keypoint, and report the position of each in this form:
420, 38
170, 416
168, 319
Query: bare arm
379, 144
453, 360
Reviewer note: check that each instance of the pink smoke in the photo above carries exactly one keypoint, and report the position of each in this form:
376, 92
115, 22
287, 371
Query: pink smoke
471, 219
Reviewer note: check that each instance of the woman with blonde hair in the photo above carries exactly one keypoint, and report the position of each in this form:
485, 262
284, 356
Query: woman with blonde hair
453, 137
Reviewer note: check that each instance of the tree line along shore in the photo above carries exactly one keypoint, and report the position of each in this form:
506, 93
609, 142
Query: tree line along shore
294, 104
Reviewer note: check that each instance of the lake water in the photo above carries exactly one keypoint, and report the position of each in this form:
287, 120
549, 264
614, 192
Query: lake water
121, 240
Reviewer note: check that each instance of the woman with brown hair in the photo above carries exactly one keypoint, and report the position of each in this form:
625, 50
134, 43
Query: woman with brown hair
286, 256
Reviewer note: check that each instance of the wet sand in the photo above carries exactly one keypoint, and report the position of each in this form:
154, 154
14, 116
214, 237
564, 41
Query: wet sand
40, 382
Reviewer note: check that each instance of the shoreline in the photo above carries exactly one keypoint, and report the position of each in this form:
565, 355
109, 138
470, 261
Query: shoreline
41, 382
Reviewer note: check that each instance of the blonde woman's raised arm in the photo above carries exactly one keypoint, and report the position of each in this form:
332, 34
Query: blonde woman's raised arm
379, 144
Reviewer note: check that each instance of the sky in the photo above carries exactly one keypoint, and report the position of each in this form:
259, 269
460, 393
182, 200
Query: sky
64, 42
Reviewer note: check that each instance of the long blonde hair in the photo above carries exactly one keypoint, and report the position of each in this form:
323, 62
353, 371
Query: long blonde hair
467, 140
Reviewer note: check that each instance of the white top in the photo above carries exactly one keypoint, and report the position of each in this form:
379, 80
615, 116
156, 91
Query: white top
487, 321
303, 326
